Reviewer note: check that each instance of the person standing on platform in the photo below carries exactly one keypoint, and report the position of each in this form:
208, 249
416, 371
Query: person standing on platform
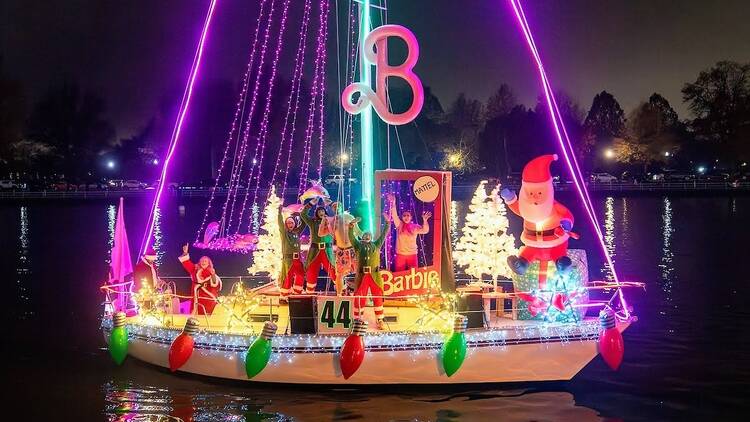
321, 248
368, 281
346, 258
292, 275
406, 236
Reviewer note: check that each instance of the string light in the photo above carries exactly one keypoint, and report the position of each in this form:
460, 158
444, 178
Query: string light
237, 116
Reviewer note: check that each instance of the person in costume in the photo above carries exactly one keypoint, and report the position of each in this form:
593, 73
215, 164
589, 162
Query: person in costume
406, 235
346, 259
546, 222
321, 249
146, 273
206, 285
368, 281
292, 275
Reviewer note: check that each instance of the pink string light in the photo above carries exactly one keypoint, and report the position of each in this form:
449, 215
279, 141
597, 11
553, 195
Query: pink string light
184, 108
293, 102
319, 52
239, 110
321, 100
563, 140
263, 133
232, 194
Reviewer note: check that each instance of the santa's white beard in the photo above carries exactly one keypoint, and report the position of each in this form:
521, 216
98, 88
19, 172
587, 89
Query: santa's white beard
533, 212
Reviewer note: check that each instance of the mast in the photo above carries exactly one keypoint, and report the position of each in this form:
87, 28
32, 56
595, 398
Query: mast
366, 133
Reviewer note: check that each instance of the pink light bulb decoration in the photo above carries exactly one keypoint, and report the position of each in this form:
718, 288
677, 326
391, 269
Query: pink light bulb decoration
611, 344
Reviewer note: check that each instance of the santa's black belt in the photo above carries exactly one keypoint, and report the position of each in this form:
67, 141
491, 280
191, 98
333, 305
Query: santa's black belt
540, 233
292, 255
321, 245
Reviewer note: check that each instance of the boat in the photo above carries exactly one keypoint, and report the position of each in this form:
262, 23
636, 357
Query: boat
545, 322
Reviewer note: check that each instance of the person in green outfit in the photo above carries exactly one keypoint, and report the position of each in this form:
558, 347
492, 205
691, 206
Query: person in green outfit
292, 270
368, 281
321, 247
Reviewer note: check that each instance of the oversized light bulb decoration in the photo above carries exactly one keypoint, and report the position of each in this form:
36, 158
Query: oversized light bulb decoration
182, 347
353, 350
376, 53
454, 350
611, 344
259, 351
118, 338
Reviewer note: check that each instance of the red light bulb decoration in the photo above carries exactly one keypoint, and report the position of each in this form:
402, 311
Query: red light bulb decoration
611, 344
182, 346
353, 350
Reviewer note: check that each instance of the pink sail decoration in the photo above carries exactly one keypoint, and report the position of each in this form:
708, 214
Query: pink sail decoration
121, 265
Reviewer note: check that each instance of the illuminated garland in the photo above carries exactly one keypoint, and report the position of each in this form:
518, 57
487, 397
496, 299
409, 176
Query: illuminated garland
287, 347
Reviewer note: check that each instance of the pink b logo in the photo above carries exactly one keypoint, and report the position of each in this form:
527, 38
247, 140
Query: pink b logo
377, 39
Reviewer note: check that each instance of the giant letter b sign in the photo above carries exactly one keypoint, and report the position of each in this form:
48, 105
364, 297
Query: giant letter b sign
376, 52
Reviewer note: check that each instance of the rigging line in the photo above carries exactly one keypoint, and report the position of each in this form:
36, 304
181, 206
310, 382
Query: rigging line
251, 113
293, 102
322, 95
178, 126
263, 134
338, 73
233, 127
555, 115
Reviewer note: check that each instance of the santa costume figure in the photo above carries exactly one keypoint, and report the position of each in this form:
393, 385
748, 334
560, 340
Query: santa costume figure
546, 222
145, 272
206, 285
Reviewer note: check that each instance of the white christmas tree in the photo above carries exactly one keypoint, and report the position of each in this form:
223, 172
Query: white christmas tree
485, 243
267, 255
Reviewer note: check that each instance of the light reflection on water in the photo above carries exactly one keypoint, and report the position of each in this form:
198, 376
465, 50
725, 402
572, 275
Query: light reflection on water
23, 269
666, 264
609, 236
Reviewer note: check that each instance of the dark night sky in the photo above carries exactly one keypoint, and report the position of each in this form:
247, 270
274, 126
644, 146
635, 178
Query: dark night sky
136, 52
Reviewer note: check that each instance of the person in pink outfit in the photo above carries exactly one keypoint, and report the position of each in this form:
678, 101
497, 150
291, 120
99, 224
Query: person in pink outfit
406, 235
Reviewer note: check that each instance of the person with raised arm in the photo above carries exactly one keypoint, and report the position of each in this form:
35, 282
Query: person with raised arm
292, 275
346, 258
321, 249
206, 285
406, 235
368, 281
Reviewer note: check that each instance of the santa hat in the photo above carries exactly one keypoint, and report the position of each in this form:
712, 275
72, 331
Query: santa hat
150, 254
537, 170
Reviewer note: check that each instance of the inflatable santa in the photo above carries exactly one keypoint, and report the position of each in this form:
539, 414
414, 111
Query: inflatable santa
546, 222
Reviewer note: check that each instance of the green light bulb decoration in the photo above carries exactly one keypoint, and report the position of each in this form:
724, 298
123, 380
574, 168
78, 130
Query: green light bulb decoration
259, 351
454, 350
118, 338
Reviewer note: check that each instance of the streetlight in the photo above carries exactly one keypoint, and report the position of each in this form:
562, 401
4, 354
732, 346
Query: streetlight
110, 164
344, 157
155, 161
609, 153
701, 169
666, 153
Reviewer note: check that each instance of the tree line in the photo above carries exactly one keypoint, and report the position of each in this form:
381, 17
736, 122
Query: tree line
66, 130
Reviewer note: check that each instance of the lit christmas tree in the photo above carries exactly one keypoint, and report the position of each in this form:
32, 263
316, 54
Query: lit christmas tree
485, 243
267, 256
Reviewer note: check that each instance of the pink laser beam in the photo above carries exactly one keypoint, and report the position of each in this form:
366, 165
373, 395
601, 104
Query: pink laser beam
555, 115
184, 107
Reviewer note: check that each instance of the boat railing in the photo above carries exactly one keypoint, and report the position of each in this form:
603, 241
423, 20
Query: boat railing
159, 308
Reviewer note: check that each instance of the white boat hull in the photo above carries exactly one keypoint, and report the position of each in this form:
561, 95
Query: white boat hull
536, 353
